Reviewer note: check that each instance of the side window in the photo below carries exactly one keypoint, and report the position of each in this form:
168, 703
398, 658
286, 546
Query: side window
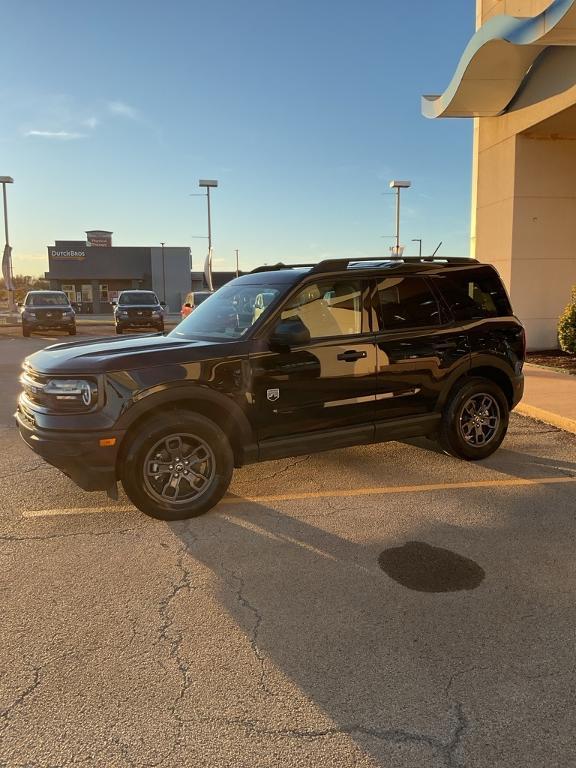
474, 294
406, 302
329, 308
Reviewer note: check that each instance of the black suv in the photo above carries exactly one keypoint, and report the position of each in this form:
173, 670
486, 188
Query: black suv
281, 362
138, 309
43, 310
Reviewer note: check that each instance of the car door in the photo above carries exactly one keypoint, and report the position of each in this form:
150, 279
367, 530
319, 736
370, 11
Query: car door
327, 383
418, 347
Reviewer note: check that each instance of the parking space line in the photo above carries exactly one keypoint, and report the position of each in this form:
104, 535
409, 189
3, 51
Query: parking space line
345, 493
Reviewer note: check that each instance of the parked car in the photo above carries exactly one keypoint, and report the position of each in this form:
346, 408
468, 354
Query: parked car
193, 300
344, 353
139, 309
43, 310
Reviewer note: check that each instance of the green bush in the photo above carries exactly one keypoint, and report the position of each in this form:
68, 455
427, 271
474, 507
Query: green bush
567, 326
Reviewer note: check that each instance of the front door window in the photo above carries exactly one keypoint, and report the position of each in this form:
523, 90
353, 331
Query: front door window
328, 309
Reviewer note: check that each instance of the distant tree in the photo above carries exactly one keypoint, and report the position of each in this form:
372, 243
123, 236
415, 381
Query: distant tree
23, 284
567, 326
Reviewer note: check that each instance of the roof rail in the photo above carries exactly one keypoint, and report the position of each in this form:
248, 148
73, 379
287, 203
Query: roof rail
336, 265
279, 266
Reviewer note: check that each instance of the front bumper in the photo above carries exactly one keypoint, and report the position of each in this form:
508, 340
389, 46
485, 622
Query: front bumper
64, 322
77, 454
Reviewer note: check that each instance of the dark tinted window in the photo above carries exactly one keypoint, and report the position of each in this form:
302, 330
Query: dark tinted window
47, 300
473, 294
138, 298
406, 302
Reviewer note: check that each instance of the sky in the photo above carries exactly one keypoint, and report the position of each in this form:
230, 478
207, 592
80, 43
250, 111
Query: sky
304, 111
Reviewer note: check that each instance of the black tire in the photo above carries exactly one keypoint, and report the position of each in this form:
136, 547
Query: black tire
118, 329
26, 331
458, 434
143, 486
72, 331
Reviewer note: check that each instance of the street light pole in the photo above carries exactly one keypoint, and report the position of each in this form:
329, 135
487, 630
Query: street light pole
419, 241
237, 270
163, 274
398, 185
7, 268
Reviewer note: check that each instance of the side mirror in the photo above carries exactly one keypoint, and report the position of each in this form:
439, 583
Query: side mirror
290, 333
114, 303
162, 303
188, 305
20, 304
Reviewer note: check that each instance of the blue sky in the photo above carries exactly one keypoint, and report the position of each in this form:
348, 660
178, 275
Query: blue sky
303, 110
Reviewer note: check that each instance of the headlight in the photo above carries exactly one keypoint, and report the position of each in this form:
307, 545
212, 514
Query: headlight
73, 391
123, 313
156, 313
27, 313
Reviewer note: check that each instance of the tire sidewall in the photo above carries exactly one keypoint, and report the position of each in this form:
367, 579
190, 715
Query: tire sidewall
141, 441
451, 437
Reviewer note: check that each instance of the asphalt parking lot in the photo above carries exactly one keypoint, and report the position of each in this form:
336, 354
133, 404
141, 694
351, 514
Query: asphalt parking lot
379, 606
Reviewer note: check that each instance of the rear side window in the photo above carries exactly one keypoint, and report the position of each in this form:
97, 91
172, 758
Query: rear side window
473, 294
406, 302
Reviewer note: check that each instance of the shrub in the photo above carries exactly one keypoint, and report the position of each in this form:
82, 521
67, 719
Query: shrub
567, 326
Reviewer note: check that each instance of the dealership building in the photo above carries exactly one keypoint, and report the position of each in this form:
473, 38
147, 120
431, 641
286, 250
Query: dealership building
92, 272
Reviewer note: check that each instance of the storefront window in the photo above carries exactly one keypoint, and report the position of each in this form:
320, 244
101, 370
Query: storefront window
104, 293
70, 291
87, 294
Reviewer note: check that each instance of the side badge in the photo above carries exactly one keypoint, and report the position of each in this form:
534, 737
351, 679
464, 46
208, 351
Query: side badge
273, 395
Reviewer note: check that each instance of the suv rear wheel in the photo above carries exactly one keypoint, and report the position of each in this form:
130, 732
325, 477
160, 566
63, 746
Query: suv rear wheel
177, 465
475, 420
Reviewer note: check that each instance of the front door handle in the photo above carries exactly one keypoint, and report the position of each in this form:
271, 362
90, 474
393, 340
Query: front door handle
351, 355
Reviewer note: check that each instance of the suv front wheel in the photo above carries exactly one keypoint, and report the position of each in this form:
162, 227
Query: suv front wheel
475, 420
177, 465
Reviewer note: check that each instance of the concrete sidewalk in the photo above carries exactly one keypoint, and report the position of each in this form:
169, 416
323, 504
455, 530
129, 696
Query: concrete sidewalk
549, 396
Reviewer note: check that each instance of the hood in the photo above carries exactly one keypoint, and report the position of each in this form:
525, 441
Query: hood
124, 307
125, 353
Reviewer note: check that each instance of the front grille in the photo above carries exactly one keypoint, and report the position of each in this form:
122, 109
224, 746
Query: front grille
139, 314
33, 385
48, 315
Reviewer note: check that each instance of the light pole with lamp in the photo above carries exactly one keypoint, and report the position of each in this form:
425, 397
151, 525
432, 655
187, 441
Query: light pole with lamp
7, 257
398, 185
419, 241
208, 184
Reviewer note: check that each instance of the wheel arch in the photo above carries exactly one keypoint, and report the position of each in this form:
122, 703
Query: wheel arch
214, 406
490, 372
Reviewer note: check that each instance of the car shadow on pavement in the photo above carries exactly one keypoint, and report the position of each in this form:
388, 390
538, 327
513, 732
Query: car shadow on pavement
389, 666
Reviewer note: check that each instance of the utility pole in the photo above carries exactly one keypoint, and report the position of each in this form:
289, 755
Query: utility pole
398, 185
207, 184
237, 270
419, 241
163, 274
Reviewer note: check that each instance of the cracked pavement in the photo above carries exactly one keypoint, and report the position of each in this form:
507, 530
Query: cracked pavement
265, 634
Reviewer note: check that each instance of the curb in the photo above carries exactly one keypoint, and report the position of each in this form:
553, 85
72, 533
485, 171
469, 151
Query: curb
562, 422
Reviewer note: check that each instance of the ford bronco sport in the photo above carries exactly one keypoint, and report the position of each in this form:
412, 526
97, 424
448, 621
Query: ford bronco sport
284, 361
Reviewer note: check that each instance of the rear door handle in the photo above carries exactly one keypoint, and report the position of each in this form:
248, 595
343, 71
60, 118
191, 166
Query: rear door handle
351, 355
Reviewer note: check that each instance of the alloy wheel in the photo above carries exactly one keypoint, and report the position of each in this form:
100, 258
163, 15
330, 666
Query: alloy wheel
479, 419
179, 469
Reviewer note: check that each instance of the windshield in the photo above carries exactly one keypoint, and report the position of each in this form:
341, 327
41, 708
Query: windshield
47, 300
229, 313
139, 298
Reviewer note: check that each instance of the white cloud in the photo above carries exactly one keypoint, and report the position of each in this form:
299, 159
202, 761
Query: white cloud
123, 109
62, 135
91, 122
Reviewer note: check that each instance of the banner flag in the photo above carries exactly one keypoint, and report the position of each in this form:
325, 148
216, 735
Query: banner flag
208, 270
6, 260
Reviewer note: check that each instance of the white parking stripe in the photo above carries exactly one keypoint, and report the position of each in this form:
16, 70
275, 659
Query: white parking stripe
76, 511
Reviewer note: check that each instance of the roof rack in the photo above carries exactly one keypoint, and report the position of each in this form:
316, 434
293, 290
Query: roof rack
337, 265
332, 265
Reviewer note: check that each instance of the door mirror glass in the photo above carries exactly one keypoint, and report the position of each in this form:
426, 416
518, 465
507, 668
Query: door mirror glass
188, 305
290, 333
162, 303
